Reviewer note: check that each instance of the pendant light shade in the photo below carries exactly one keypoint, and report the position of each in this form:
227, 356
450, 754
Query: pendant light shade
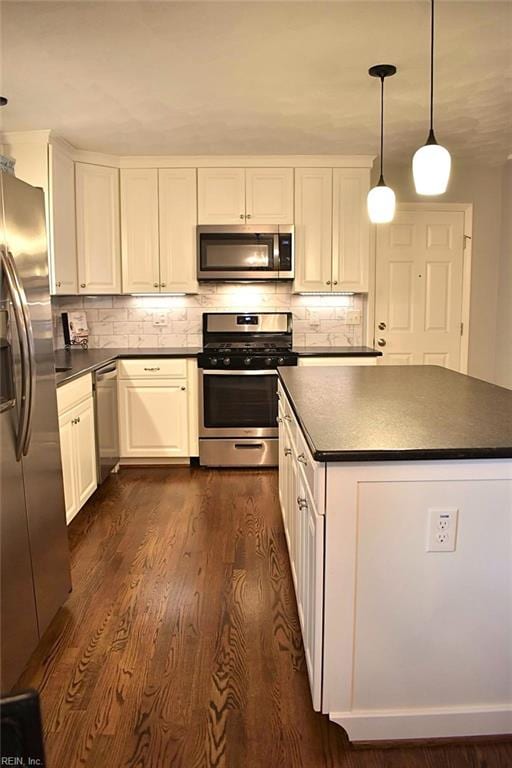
381, 200
381, 203
431, 164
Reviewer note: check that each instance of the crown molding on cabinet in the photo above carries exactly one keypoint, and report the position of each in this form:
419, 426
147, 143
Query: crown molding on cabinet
187, 161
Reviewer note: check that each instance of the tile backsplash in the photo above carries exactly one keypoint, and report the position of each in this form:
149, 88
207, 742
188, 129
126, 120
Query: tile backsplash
129, 321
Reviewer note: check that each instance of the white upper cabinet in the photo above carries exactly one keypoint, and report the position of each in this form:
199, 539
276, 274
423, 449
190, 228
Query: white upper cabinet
97, 229
178, 219
269, 195
139, 231
332, 229
351, 229
62, 240
313, 229
245, 196
221, 195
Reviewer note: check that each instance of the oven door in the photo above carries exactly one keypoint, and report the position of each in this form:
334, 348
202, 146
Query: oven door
238, 403
237, 254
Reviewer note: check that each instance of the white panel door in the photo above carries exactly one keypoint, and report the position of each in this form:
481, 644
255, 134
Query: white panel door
178, 219
313, 229
67, 452
139, 230
97, 228
418, 304
63, 259
269, 195
221, 195
153, 418
351, 229
84, 445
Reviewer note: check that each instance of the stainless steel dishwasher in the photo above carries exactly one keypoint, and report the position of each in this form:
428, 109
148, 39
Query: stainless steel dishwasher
107, 430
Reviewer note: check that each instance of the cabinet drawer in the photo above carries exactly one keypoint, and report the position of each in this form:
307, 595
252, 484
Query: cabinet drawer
73, 393
159, 368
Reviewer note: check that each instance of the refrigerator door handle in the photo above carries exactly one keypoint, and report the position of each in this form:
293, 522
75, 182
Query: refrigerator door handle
27, 353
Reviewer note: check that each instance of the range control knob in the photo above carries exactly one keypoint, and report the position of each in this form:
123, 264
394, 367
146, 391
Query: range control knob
280, 360
247, 361
213, 361
268, 361
226, 361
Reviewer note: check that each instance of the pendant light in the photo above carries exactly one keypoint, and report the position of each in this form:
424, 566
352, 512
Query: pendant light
431, 163
381, 199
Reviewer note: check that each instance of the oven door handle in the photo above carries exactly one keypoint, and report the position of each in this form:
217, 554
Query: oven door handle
239, 373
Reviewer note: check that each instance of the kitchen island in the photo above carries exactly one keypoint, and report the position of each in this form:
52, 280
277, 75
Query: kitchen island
396, 492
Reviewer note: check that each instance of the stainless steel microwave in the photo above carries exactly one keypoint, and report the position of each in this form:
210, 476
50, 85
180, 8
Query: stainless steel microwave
245, 253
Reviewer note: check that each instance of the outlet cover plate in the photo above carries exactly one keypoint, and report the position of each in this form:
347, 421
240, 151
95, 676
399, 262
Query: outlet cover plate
442, 529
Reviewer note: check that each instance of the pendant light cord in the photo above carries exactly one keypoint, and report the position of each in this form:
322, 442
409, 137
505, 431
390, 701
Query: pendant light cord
432, 67
381, 180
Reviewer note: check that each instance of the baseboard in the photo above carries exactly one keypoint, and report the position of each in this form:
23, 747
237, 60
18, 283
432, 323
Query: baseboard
164, 461
439, 723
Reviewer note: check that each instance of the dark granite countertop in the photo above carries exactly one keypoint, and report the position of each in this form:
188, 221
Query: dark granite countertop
81, 361
399, 413
337, 351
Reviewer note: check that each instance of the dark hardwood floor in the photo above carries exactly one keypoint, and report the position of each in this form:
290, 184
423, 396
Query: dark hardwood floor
180, 644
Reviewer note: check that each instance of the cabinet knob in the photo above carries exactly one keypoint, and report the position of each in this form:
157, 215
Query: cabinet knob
58, 283
287, 451
183, 389
382, 326
381, 342
335, 282
162, 285
248, 216
82, 285
302, 503
328, 282
156, 285
302, 459
242, 216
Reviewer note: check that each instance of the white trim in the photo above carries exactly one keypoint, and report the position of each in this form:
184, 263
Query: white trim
467, 210
453, 722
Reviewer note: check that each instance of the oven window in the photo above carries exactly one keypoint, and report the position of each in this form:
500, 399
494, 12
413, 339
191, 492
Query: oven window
236, 252
239, 401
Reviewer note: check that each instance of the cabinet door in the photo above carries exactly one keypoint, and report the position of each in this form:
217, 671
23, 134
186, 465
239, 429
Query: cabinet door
313, 590
178, 219
139, 231
84, 445
313, 229
269, 195
153, 418
97, 229
221, 195
351, 229
62, 250
67, 452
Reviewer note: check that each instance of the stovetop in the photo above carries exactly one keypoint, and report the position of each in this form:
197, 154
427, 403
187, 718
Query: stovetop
254, 355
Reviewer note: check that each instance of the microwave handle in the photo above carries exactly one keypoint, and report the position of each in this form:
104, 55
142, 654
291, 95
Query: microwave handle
276, 252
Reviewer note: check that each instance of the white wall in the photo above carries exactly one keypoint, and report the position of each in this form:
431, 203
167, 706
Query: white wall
482, 186
504, 310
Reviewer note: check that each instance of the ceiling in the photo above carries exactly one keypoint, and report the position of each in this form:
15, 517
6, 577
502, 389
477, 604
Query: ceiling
258, 77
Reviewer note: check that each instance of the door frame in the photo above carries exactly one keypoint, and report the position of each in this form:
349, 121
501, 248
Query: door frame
467, 210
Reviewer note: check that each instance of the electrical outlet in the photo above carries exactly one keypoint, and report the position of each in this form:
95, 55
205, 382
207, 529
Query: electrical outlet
353, 317
160, 318
442, 529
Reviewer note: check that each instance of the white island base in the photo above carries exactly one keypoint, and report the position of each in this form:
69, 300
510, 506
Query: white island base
401, 642
418, 644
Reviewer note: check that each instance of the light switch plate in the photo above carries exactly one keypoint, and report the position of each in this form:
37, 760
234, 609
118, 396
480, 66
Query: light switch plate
442, 529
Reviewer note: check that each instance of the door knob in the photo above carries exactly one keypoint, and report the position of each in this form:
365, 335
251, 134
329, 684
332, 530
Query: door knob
382, 326
381, 342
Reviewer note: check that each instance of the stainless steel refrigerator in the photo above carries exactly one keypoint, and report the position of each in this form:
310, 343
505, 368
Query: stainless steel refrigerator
35, 574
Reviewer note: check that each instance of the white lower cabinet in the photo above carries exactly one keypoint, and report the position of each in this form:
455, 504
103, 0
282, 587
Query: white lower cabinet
157, 408
77, 443
302, 500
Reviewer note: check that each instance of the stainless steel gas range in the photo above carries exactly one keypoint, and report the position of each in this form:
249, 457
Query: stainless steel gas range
238, 387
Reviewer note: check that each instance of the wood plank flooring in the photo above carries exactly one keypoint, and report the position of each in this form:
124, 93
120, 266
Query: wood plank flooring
180, 644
